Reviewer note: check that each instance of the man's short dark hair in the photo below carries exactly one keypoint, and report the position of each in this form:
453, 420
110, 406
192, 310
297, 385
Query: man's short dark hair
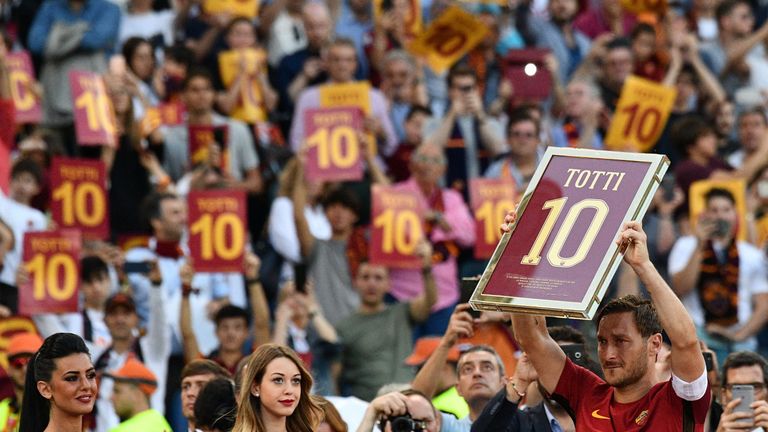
642, 28
646, 318
460, 70
195, 73
27, 166
619, 42
566, 334
482, 348
418, 109
719, 193
758, 111
343, 197
204, 367
151, 207
341, 41
180, 54
231, 311
687, 130
520, 117
92, 268
741, 359
726, 7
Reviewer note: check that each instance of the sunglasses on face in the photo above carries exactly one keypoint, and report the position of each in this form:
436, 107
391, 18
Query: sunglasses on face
19, 362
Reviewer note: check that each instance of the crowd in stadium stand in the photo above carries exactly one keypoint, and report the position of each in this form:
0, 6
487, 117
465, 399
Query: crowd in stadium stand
314, 334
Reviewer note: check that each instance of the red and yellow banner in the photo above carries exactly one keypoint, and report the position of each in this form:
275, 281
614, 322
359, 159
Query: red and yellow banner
448, 38
491, 200
52, 259
640, 115
334, 151
397, 227
94, 116
21, 78
411, 15
217, 230
79, 196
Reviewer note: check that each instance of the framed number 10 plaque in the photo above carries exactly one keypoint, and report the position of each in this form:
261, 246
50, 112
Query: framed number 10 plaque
561, 254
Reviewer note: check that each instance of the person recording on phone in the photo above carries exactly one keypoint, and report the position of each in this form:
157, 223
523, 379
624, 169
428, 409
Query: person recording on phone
744, 393
720, 279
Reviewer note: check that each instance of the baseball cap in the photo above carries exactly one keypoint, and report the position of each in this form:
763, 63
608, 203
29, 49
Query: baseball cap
425, 347
133, 371
24, 343
120, 299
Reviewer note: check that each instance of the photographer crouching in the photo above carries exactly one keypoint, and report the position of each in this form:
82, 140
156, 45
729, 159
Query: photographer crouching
406, 411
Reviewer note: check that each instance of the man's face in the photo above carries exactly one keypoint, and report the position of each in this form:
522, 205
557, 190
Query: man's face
414, 127
372, 283
644, 45
577, 97
522, 138
563, 11
623, 352
724, 119
397, 75
463, 86
479, 376
751, 131
421, 410
721, 208
317, 26
341, 63
752, 375
17, 369
341, 217
121, 322
618, 65
97, 290
232, 333
190, 388
199, 96
173, 219
428, 164
740, 21
123, 399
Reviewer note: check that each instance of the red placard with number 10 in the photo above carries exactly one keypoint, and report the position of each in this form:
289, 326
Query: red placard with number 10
52, 259
397, 227
491, 200
79, 199
217, 230
94, 116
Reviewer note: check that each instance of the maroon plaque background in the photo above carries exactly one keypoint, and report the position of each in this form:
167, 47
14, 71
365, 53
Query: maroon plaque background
544, 281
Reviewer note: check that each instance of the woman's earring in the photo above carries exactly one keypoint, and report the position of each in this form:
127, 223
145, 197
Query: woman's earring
257, 395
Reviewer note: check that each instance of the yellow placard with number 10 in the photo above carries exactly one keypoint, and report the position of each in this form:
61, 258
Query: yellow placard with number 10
237, 8
640, 115
448, 38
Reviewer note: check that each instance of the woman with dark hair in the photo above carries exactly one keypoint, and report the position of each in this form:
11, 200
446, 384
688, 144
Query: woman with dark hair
215, 407
142, 67
274, 395
60, 386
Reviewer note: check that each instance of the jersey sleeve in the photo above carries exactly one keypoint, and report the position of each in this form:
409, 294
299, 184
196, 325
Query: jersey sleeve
574, 382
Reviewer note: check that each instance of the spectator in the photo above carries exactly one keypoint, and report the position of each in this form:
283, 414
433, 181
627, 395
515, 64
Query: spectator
629, 339
721, 280
403, 86
340, 62
141, 20
195, 375
446, 398
134, 384
304, 68
198, 97
275, 395
354, 20
725, 122
696, 140
470, 137
569, 45
283, 20
152, 349
332, 421
744, 368
141, 75
617, 66
583, 108
752, 127
411, 403
216, 406
9, 294
648, 61
399, 163
524, 154
378, 337
70, 35
448, 227
49, 406
21, 348
605, 17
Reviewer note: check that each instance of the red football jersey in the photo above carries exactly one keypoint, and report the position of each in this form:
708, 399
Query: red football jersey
591, 399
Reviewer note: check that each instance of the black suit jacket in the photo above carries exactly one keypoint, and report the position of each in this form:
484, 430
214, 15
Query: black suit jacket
501, 415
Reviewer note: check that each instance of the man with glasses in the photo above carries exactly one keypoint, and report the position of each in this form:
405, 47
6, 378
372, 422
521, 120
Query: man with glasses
449, 227
524, 155
21, 348
744, 368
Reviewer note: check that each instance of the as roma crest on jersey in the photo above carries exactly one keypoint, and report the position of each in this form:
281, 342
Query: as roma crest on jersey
642, 418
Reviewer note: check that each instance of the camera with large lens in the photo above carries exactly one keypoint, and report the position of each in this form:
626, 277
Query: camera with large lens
405, 423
